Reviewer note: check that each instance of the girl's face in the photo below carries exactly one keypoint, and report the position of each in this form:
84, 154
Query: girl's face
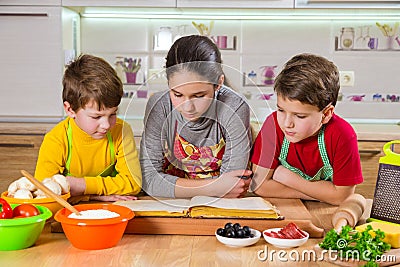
190, 94
92, 121
299, 121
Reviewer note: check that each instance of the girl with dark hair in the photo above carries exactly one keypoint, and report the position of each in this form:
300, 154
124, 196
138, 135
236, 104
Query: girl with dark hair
196, 139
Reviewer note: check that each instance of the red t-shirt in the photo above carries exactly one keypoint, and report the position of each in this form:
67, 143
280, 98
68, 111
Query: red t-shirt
341, 147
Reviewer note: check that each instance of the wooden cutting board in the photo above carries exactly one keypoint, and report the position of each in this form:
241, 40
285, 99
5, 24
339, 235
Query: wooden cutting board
293, 210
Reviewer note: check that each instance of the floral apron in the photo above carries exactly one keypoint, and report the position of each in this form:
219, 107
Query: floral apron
325, 173
109, 171
192, 162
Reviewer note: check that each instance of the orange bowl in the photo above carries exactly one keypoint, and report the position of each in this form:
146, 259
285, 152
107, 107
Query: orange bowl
92, 234
49, 203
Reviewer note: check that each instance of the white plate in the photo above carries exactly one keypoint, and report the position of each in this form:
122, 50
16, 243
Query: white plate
284, 242
240, 242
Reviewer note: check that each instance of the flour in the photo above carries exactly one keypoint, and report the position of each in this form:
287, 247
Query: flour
94, 214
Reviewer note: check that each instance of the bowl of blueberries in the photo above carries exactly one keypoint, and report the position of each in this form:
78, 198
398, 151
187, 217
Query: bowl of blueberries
234, 235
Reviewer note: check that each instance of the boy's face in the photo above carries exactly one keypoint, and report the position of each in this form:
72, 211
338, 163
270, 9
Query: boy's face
299, 121
190, 95
92, 121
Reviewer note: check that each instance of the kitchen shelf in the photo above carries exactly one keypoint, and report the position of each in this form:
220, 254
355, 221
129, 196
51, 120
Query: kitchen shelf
246, 84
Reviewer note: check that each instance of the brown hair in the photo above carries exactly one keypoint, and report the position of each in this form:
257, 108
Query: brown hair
91, 78
197, 54
310, 79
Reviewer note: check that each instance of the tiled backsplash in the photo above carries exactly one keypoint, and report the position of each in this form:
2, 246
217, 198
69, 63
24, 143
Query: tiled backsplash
262, 43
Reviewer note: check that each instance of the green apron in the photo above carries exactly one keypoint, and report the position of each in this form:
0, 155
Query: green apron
109, 171
325, 173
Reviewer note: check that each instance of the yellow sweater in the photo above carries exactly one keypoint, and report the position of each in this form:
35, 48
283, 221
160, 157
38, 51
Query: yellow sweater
90, 157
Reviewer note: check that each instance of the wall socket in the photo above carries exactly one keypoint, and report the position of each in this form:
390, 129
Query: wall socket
346, 78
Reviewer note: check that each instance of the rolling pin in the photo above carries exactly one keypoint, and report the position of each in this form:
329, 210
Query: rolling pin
349, 212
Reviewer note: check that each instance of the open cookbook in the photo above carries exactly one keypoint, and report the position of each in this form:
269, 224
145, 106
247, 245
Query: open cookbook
204, 207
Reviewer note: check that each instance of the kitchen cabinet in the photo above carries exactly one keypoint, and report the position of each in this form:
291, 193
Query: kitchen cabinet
236, 3
31, 62
120, 3
17, 152
370, 152
347, 4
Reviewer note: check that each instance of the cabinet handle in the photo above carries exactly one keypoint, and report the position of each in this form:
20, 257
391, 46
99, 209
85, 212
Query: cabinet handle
16, 145
369, 151
24, 15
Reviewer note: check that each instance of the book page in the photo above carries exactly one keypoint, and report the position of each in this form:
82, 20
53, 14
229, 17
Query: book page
247, 203
168, 205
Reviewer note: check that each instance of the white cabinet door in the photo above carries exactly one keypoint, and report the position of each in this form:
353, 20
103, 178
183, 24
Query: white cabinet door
236, 3
347, 4
31, 64
30, 3
120, 3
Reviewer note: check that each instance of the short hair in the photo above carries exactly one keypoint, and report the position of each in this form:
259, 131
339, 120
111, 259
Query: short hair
91, 78
197, 54
310, 79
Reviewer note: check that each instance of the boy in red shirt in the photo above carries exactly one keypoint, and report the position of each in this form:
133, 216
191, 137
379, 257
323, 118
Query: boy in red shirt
303, 149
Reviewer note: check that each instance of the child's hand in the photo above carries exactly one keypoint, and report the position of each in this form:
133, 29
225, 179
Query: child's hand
112, 198
231, 185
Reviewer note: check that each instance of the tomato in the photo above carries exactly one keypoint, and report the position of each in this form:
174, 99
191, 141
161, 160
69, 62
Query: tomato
25, 210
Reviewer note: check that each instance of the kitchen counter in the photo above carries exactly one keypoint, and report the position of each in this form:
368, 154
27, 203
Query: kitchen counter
365, 132
53, 249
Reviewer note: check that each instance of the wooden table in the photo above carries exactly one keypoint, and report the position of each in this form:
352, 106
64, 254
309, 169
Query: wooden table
53, 249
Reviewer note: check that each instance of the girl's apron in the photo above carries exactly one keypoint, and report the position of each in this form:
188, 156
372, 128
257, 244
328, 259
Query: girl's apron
109, 171
189, 161
325, 173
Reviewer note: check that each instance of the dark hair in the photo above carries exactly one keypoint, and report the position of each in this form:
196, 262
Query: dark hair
310, 79
91, 78
195, 53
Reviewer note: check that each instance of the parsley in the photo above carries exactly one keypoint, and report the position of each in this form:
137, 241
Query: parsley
349, 243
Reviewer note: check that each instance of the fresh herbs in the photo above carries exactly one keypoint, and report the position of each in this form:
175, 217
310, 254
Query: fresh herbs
351, 244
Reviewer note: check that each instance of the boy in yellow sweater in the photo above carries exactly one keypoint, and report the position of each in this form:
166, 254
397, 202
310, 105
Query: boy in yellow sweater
94, 149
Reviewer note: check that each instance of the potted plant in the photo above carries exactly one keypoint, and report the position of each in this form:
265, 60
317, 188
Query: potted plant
131, 67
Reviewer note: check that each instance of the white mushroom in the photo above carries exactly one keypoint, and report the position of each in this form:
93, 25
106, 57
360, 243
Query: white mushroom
39, 194
23, 194
12, 188
24, 183
62, 181
53, 186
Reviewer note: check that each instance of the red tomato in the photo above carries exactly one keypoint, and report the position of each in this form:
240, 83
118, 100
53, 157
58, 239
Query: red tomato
25, 210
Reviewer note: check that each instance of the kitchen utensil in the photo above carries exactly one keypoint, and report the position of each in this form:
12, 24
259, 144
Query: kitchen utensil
93, 234
386, 202
163, 39
20, 233
221, 41
47, 202
349, 212
49, 193
268, 74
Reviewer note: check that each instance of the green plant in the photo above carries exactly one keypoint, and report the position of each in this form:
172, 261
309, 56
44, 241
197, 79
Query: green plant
387, 30
131, 65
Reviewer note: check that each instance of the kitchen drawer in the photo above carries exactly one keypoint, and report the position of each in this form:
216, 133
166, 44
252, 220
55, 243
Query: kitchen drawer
370, 153
17, 152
